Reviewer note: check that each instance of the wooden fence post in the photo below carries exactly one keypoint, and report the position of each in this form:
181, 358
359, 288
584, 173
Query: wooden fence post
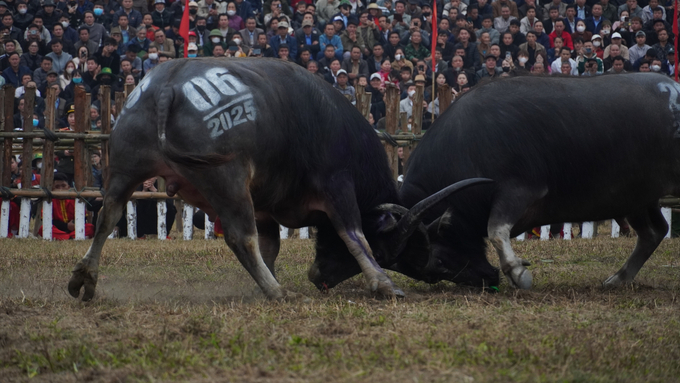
359, 90
26, 159
105, 99
391, 114
445, 98
47, 172
6, 171
417, 111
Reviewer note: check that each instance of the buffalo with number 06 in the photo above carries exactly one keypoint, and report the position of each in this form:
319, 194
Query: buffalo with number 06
258, 143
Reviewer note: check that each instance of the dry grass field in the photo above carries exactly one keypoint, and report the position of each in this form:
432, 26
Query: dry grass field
187, 311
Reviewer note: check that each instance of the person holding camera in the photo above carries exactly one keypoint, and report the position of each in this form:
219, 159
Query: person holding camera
588, 60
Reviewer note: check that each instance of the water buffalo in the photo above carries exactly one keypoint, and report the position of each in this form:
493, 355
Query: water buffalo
259, 143
558, 150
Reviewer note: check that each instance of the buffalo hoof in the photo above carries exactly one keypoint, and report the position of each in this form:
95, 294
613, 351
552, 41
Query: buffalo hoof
385, 288
520, 278
613, 282
82, 276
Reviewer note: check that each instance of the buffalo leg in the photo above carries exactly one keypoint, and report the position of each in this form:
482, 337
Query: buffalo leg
269, 239
651, 228
332, 264
227, 191
504, 214
86, 270
344, 213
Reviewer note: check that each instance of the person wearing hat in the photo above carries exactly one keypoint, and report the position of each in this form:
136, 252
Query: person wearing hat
344, 14
616, 40
343, 86
609, 62
161, 16
638, 50
282, 37
214, 38
308, 36
134, 17
490, 70
49, 14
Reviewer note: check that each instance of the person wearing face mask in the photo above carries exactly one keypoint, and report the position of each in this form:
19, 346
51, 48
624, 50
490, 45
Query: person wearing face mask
70, 34
192, 40
152, 61
581, 32
161, 16
22, 18
77, 80
235, 21
192, 50
597, 46
406, 105
588, 53
215, 38
106, 77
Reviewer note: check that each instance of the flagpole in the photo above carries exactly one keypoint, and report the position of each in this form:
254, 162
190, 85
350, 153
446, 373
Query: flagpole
675, 40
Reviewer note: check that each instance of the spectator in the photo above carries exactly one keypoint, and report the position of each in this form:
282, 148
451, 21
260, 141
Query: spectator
97, 31
162, 17
332, 72
235, 21
608, 62
152, 61
560, 32
531, 47
127, 32
67, 75
40, 74
640, 48
663, 46
502, 22
37, 32
490, 69
632, 7
13, 73
32, 58
344, 87
58, 34
330, 38
133, 17
588, 53
541, 37
84, 40
163, 44
581, 32
354, 65
63, 212
22, 19
250, 33
350, 38
58, 56
564, 56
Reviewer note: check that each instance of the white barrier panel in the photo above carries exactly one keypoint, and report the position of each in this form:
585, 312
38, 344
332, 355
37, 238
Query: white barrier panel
545, 232
24, 218
667, 213
587, 229
566, 229
209, 228
80, 219
188, 222
47, 219
4, 219
283, 232
132, 219
521, 237
616, 229
161, 213
304, 233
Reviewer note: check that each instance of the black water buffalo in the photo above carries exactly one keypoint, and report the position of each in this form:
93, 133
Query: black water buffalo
259, 143
558, 150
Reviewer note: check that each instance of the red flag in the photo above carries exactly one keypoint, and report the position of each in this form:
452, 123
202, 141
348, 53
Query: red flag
675, 32
435, 34
184, 28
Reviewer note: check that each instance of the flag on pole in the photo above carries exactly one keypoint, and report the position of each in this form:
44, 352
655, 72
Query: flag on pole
435, 33
184, 27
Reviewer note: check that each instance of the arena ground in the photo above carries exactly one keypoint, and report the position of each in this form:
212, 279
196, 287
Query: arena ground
187, 311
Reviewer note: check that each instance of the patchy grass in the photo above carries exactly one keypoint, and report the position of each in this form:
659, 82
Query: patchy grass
187, 311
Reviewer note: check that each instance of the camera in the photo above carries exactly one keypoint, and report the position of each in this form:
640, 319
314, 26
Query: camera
257, 51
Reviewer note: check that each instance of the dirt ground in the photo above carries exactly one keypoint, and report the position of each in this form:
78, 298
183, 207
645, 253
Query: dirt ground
187, 311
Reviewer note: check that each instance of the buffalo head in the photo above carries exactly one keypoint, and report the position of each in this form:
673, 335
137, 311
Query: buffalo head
399, 241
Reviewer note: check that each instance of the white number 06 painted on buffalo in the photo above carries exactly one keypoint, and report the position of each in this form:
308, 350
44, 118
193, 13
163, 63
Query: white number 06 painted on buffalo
208, 91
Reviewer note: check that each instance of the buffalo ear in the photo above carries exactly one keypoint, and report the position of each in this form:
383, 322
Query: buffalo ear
386, 223
437, 224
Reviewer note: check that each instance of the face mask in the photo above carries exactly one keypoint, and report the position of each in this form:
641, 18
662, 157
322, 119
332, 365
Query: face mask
411, 93
237, 41
98, 11
589, 50
523, 60
192, 55
654, 68
605, 31
153, 56
35, 122
231, 13
596, 44
77, 80
69, 70
623, 19
581, 28
506, 69
23, 10
397, 57
193, 11
215, 40
141, 39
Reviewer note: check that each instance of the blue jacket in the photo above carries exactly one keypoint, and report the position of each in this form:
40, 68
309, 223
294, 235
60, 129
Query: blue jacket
292, 46
245, 10
335, 41
15, 78
590, 25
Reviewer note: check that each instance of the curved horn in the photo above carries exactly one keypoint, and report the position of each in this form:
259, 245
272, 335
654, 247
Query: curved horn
410, 221
444, 219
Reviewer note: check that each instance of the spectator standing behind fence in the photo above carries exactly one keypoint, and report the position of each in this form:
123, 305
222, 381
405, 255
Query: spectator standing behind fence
13, 73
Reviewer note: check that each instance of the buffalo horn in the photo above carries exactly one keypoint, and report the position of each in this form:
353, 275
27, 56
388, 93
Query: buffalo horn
410, 221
